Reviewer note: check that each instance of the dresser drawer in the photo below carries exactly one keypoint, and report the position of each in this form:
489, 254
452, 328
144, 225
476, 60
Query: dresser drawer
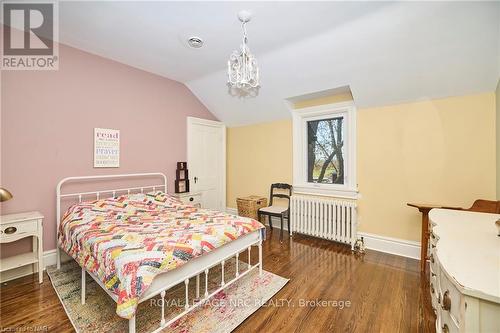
434, 275
19, 229
451, 299
433, 239
433, 287
438, 322
433, 260
448, 324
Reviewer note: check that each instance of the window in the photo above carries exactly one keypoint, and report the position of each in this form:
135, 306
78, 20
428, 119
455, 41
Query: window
325, 153
324, 150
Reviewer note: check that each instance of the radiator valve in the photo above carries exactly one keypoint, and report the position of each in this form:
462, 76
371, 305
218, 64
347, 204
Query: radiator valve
359, 246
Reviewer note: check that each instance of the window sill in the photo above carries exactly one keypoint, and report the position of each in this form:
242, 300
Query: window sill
337, 193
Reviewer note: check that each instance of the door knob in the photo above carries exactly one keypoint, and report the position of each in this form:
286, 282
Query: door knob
195, 180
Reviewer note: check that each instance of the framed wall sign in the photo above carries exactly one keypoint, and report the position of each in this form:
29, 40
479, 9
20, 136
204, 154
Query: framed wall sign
106, 148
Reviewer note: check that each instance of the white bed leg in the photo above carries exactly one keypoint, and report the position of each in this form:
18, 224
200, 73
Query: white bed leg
186, 282
131, 325
83, 286
249, 261
260, 258
197, 286
222, 283
237, 264
162, 308
206, 283
58, 258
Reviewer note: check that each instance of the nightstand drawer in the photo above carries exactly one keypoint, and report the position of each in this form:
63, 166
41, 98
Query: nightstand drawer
18, 229
193, 199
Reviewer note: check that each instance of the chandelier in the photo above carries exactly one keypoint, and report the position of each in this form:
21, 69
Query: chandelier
242, 69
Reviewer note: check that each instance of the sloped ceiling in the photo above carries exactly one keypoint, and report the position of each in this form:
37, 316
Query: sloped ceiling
385, 52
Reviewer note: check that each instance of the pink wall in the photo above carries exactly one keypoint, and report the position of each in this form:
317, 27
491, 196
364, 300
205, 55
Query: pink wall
48, 118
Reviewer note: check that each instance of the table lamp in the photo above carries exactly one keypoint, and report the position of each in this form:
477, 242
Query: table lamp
5, 194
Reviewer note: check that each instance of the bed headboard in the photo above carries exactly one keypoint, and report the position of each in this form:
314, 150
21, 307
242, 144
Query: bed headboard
112, 192
89, 179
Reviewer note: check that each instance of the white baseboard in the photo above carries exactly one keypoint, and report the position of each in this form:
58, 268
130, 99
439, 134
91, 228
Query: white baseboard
396, 246
399, 247
49, 259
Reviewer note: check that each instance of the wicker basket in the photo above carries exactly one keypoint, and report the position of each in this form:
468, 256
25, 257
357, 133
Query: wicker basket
248, 206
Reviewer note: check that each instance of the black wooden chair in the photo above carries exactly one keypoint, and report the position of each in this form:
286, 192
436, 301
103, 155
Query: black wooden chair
275, 209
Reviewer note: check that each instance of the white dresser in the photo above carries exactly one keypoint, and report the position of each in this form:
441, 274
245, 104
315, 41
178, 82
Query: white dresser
465, 271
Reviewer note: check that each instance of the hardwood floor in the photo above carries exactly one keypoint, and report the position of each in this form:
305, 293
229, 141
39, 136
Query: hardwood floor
386, 293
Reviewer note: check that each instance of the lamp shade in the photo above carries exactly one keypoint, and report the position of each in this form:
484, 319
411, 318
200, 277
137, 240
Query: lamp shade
5, 195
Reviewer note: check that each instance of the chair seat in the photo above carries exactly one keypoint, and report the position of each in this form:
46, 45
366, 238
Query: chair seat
273, 209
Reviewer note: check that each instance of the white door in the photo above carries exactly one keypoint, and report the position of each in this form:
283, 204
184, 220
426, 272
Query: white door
206, 152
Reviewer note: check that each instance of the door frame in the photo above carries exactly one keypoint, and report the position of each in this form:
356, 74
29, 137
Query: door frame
205, 122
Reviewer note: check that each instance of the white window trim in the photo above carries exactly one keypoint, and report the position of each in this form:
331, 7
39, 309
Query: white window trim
300, 118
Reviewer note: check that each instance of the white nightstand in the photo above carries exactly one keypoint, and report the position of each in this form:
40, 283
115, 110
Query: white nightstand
189, 198
16, 226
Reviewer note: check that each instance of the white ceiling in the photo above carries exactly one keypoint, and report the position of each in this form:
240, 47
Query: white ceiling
386, 52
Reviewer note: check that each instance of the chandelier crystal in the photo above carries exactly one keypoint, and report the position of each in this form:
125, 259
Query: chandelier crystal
242, 69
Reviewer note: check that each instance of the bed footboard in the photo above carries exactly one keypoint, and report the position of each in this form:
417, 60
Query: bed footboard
206, 295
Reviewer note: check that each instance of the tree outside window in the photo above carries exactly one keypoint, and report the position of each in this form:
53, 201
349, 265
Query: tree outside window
325, 148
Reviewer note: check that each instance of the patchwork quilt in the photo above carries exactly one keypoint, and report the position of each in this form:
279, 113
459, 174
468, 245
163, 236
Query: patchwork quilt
127, 240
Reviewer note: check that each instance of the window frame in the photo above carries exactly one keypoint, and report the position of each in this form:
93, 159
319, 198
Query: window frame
300, 117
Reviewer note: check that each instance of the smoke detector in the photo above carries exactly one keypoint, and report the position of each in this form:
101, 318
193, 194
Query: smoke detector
195, 42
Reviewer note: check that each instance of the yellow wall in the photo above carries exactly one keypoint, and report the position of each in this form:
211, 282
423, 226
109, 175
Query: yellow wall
257, 156
497, 100
439, 151
336, 98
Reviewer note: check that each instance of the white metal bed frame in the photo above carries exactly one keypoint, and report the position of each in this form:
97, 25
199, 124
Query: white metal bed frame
175, 276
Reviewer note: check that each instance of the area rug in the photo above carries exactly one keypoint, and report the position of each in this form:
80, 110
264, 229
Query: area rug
222, 313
